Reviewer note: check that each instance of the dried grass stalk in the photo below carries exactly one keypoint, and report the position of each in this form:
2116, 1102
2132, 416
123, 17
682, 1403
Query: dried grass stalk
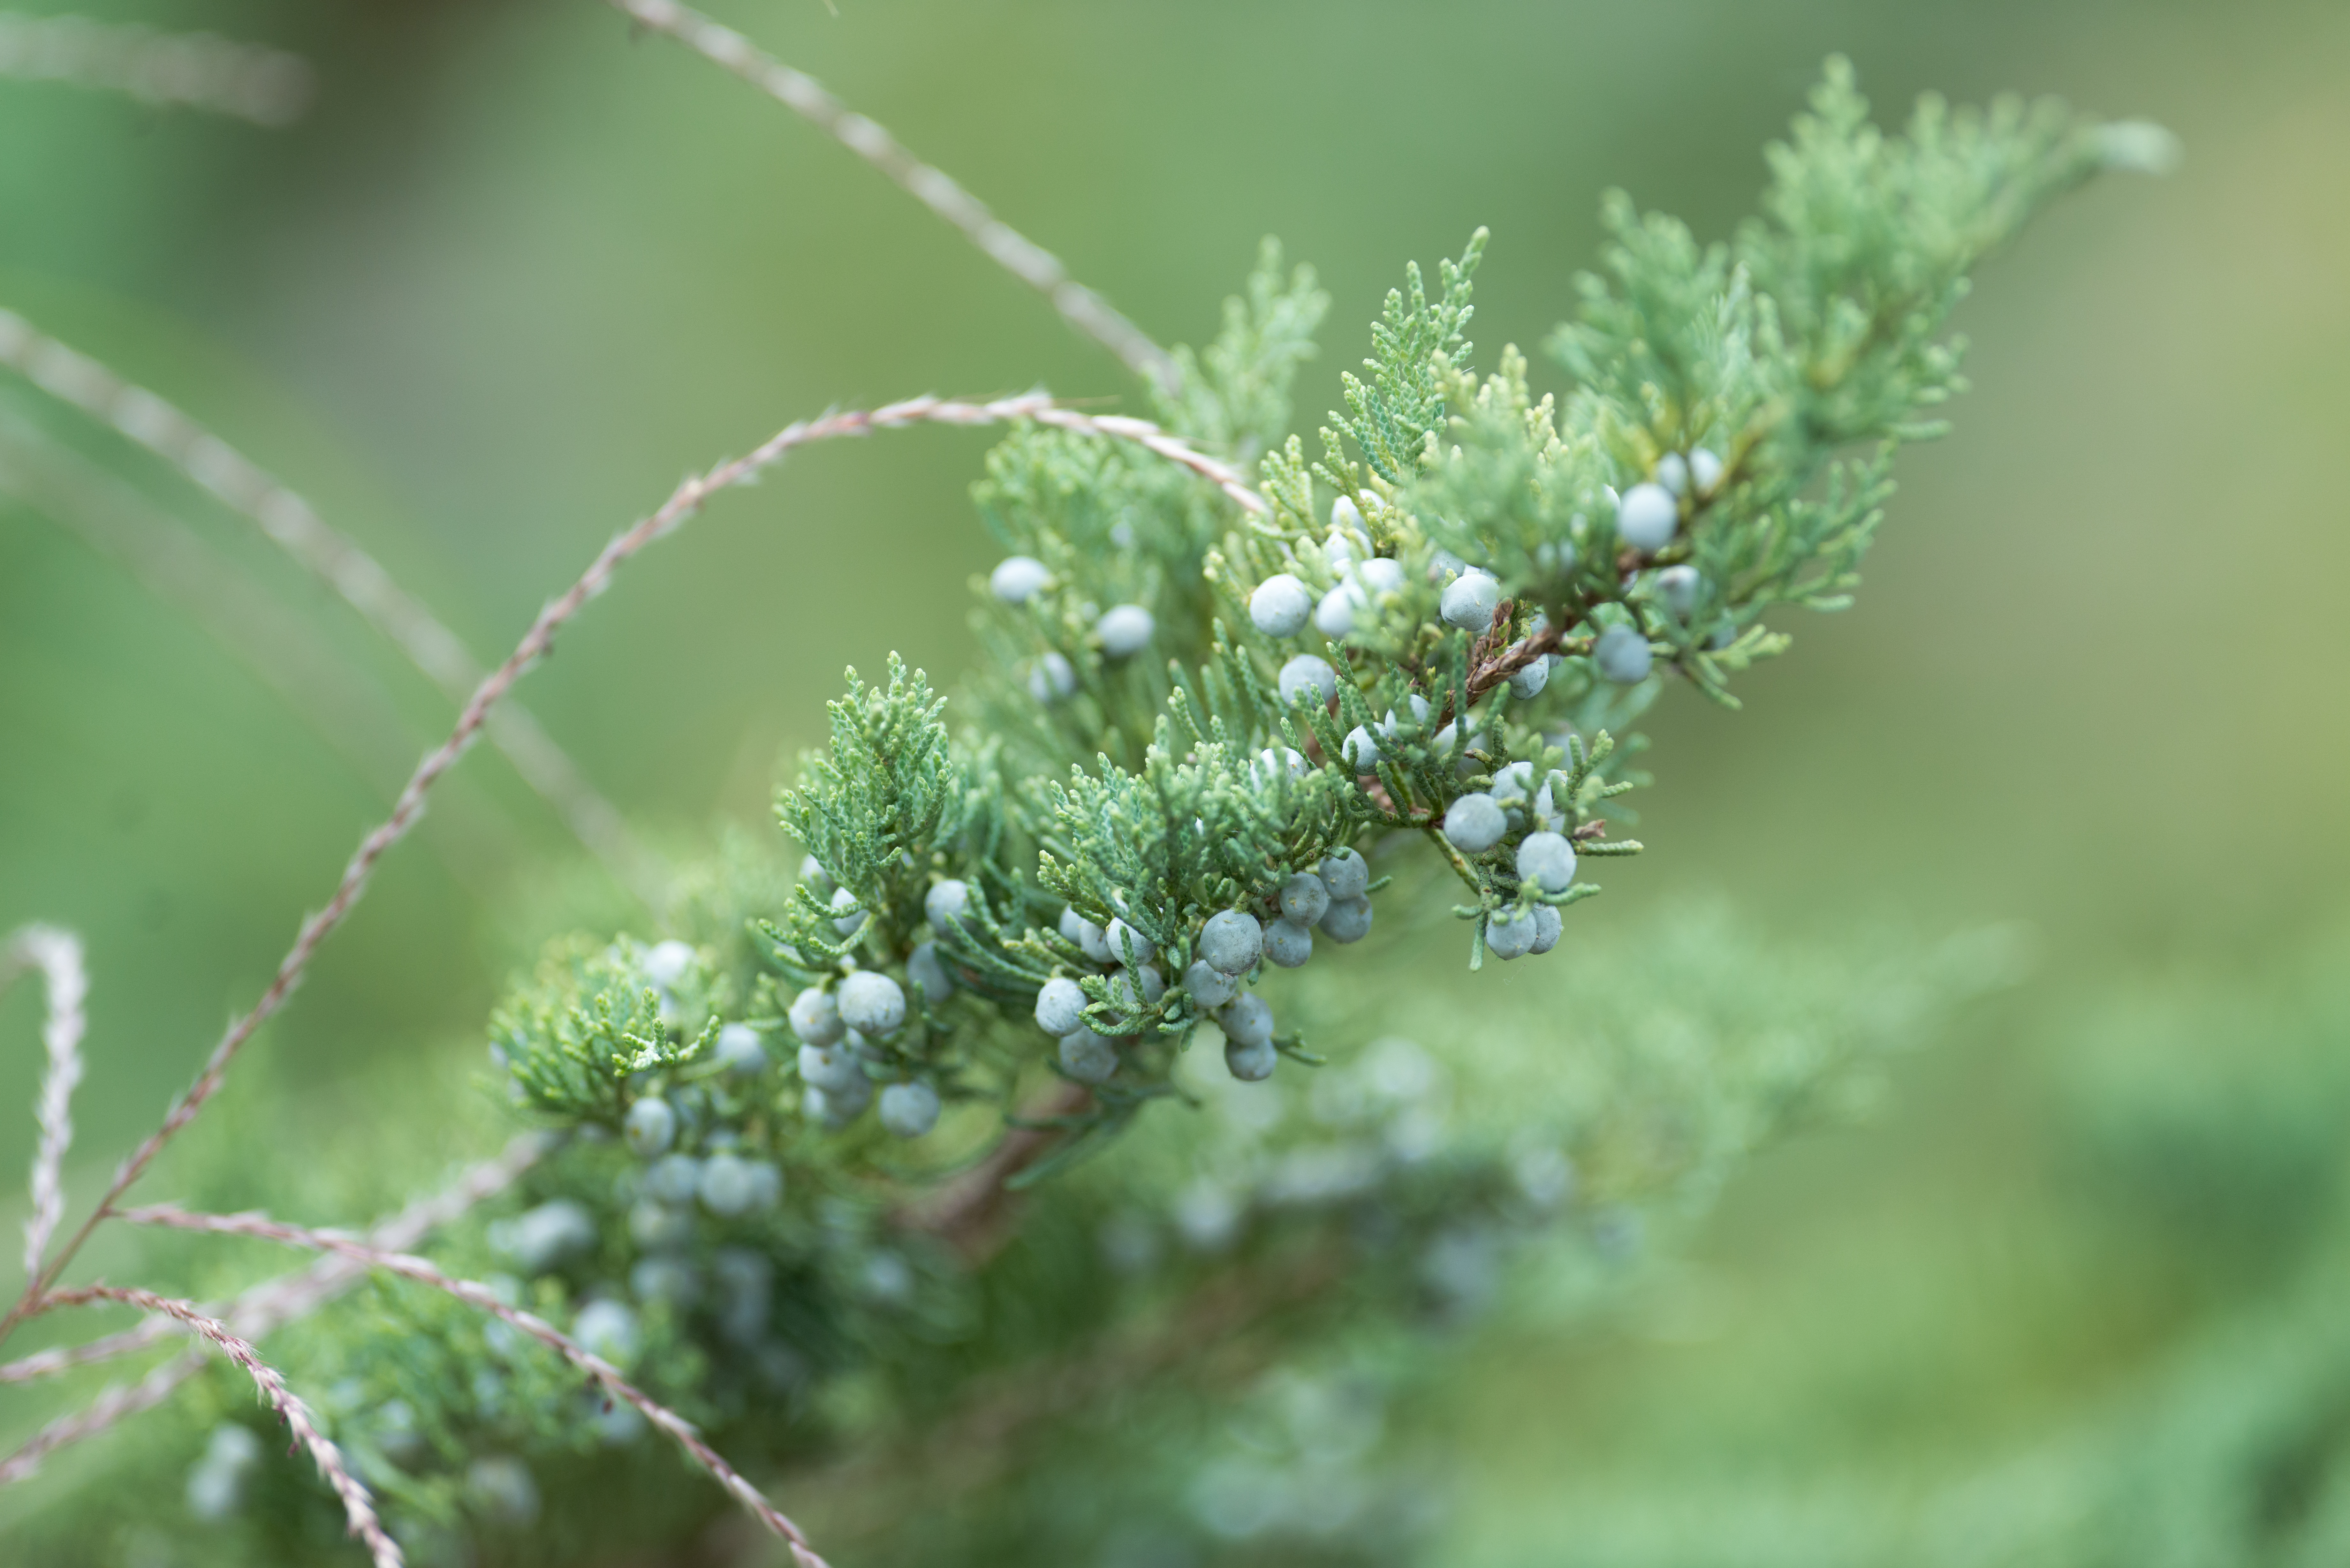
481, 1297
359, 1506
1015, 252
57, 955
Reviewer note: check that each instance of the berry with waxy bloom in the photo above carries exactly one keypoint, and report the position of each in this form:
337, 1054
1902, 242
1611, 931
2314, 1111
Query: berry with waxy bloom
1647, 517
1303, 898
814, 1016
1308, 678
1468, 600
1281, 605
1347, 919
1231, 941
1623, 655
1289, 944
1125, 630
1547, 860
1060, 1006
1208, 985
1475, 822
650, 1126
1018, 578
910, 1110
872, 1004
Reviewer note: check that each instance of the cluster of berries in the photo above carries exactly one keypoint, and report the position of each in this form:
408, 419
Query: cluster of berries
837, 1027
1231, 944
1121, 631
838, 1024
1478, 821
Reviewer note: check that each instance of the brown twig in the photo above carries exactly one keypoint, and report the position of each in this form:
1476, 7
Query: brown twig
359, 1507
485, 1299
57, 955
968, 1212
1016, 253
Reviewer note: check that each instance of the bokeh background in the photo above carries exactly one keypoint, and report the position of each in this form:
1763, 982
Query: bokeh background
518, 272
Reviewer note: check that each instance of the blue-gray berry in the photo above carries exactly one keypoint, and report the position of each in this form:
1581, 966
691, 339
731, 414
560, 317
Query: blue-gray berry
1060, 1006
660, 1227
1673, 473
1281, 605
1231, 941
665, 963
1250, 1064
945, 903
1018, 578
1246, 1020
1361, 752
1334, 616
814, 1016
926, 970
1379, 576
1468, 600
1528, 680
1547, 926
1622, 655
1678, 587
818, 879
1051, 678
539, 1239
1547, 860
1087, 1057
1308, 678
1419, 711
832, 1068
872, 1004
1128, 945
1344, 875
1347, 919
1303, 898
650, 1126
1133, 990
1705, 469
728, 1188
1124, 631
910, 1110
674, 1179
740, 1053
1647, 517
1512, 784
1510, 936
1289, 944
1345, 514
1209, 986
1475, 822
1090, 938
846, 916
607, 1329
1271, 764
671, 1279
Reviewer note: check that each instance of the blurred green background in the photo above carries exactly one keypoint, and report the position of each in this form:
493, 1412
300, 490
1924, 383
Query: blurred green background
517, 272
